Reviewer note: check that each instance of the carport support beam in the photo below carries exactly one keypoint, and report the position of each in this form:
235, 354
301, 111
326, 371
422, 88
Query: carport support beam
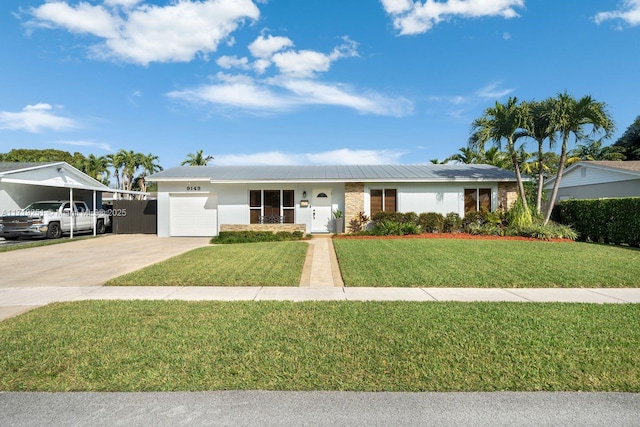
94, 213
71, 217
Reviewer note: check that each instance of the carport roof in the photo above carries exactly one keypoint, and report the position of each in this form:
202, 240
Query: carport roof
62, 175
339, 173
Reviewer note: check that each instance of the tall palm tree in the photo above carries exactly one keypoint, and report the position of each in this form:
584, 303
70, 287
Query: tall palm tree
494, 157
97, 167
116, 161
131, 163
149, 166
198, 159
569, 116
503, 123
539, 129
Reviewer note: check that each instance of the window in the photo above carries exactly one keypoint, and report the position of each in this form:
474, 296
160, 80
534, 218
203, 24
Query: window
477, 199
383, 200
271, 206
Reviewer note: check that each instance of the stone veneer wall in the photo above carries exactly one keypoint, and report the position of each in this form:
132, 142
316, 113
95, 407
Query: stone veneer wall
507, 194
264, 227
353, 201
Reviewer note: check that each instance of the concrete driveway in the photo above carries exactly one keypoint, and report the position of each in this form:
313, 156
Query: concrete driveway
89, 262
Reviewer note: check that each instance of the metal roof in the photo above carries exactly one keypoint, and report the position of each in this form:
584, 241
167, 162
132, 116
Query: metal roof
339, 173
16, 166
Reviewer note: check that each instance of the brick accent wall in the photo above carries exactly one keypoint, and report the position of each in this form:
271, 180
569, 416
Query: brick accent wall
507, 194
264, 227
353, 201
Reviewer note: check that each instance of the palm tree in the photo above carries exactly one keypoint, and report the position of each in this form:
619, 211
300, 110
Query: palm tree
570, 116
494, 157
116, 161
466, 155
198, 159
593, 150
149, 166
97, 167
131, 163
539, 129
503, 122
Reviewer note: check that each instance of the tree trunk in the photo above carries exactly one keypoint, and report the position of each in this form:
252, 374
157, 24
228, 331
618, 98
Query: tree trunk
521, 192
540, 180
556, 185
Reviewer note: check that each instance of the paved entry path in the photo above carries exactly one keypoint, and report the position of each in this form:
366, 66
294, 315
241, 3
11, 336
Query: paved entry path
321, 266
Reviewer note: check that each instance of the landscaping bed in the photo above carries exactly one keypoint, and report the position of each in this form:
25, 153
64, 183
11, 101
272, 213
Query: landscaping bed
463, 236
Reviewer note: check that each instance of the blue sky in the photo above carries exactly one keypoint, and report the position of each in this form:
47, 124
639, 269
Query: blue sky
299, 82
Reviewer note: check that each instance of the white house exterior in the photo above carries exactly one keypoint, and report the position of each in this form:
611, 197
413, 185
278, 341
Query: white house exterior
599, 179
204, 200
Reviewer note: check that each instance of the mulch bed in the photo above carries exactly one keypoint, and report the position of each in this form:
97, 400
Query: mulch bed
461, 236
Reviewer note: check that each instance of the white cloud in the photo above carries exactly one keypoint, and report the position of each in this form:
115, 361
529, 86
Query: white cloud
293, 84
35, 118
283, 94
142, 33
493, 91
343, 156
506, 36
240, 92
629, 12
100, 145
228, 62
417, 17
265, 47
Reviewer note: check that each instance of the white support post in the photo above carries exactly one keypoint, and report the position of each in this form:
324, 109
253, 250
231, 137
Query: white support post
94, 213
72, 218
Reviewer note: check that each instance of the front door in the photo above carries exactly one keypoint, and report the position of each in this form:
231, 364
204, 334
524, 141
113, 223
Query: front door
321, 210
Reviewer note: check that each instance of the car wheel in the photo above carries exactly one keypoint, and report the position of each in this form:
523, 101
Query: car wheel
54, 231
100, 228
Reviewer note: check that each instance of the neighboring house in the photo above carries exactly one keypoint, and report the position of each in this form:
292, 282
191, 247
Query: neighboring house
598, 179
23, 183
203, 200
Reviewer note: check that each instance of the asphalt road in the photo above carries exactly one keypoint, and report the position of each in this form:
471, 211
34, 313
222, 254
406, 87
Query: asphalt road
269, 408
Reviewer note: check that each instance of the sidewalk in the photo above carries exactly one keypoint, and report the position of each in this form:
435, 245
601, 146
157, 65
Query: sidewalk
14, 301
320, 281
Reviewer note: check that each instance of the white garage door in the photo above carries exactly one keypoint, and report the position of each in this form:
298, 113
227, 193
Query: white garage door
192, 215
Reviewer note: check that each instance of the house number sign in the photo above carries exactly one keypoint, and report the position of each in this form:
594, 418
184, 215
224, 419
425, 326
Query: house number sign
193, 188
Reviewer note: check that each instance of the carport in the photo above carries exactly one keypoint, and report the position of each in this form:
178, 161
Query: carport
24, 183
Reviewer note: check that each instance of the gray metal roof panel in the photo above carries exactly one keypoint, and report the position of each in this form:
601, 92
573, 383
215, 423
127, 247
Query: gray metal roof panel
15, 166
354, 173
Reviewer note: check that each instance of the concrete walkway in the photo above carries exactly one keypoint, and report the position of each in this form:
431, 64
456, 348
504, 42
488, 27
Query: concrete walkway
321, 265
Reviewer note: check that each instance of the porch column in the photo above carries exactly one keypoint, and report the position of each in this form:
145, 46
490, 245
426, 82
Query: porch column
94, 212
353, 201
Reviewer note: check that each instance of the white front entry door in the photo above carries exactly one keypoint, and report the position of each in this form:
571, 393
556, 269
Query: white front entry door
321, 210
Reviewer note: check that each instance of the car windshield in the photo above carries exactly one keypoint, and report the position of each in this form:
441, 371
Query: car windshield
43, 206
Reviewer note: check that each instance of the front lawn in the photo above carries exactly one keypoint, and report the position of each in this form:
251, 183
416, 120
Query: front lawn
485, 263
368, 346
252, 264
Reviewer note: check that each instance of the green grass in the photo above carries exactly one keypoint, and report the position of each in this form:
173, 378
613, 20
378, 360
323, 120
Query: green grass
369, 346
255, 264
485, 263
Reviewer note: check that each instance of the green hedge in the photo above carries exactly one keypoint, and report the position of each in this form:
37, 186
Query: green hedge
256, 236
603, 220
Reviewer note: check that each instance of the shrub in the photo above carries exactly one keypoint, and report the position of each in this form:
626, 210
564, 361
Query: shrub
358, 223
603, 220
392, 228
452, 223
487, 229
248, 236
431, 222
518, 216
544, 232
